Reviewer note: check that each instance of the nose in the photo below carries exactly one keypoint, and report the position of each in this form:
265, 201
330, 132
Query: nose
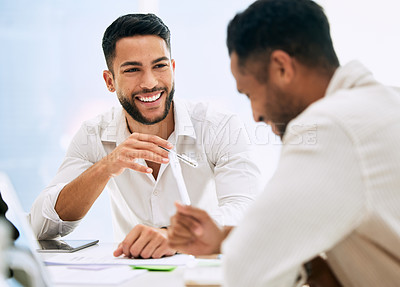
148, 80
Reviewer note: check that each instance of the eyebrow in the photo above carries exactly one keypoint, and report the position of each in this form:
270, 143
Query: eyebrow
136, 63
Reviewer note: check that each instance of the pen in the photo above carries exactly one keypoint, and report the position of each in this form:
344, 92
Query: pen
182, 157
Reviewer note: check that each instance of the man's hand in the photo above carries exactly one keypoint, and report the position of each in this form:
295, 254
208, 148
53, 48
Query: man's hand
146, 242
193, 231
136, 146
76, 198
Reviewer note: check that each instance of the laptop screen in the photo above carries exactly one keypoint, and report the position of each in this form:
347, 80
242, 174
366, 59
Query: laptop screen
26, 243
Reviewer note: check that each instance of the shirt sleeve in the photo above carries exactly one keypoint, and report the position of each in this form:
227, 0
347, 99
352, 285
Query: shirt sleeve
314, 200
237, 177
43, 218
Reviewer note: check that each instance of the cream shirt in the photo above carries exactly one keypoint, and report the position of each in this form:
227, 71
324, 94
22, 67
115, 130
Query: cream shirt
336, 190
224, 183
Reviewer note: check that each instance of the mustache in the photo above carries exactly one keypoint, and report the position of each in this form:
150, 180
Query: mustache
145, 91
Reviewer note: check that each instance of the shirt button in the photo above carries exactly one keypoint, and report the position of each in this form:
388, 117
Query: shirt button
155, 193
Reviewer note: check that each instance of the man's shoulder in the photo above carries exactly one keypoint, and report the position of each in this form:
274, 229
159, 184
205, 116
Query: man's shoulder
352, 110
106, 122
105, 118
357, 101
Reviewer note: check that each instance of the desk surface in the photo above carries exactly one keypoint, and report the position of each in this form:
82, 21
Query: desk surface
175, 278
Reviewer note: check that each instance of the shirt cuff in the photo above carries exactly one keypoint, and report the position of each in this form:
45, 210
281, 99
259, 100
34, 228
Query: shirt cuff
49, 212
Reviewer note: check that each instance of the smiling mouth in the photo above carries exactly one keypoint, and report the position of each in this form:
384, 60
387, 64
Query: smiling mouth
150, 99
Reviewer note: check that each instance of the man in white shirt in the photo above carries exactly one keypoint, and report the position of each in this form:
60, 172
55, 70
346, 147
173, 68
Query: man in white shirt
125, 149
336, 189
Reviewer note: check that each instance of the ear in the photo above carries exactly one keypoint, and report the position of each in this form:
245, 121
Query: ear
109, 79
282, 67
173, 65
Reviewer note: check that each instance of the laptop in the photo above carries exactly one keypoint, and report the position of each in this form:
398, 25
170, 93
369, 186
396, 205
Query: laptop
23, 259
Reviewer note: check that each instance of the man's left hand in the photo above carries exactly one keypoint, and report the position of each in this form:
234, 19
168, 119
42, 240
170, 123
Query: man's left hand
145, 242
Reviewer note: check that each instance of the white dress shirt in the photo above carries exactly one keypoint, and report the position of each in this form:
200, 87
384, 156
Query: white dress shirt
224, 183
336, 190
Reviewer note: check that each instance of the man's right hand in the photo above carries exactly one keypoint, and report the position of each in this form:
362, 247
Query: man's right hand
76, 198
193, 231
136, 146
145, 242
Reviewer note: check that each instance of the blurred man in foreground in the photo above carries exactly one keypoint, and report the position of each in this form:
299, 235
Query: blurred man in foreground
336, 187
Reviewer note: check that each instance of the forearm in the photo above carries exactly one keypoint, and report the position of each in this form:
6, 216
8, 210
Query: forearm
77, 197
44, 220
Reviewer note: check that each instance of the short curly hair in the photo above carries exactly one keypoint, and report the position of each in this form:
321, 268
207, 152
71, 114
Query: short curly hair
298, 27
131, 25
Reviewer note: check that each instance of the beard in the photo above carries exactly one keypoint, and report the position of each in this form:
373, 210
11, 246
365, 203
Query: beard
282, 108
131, 108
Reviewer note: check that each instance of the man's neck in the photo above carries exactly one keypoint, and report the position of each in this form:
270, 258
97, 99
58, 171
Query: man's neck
162, 129
314, 84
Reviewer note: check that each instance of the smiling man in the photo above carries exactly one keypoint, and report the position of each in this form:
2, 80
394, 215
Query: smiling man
124, 149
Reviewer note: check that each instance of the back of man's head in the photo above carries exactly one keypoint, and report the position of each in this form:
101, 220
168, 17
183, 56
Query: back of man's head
298, 27
132, 25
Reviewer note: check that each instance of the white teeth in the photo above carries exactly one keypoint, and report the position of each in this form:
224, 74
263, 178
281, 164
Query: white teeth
150, 99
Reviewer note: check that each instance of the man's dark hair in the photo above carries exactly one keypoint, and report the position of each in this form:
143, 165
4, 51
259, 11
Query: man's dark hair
298, 27
131, 25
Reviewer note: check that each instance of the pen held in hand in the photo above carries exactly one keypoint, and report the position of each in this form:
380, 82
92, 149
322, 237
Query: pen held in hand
182, 157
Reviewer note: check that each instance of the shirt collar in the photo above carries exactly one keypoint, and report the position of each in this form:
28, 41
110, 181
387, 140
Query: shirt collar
117, 129
348, 76
183, 122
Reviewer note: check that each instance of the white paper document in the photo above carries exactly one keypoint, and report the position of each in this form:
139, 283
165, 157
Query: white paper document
114, 275
207, 272
101, 259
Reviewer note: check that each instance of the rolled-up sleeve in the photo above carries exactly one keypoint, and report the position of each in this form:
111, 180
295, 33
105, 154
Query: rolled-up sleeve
43, 218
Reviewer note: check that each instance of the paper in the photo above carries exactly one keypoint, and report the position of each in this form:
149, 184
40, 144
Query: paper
98, 259
115, 275
177, 172
203, 276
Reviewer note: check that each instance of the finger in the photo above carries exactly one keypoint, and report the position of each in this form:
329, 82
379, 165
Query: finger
152, 246
139, 145
139, 167
118, 252
192, 224
181, 226
194, 212
130, 154
138, 246
175, 241
146, 235
163, 250
130, 239
180, 231
152, 139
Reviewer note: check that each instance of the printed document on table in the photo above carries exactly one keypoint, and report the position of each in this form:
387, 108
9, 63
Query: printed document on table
101, 259
114, 275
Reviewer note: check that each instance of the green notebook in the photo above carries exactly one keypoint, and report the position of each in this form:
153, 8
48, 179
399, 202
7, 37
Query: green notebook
155, 267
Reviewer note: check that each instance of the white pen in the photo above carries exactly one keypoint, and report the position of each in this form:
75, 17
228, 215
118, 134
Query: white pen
177, 172
182, 157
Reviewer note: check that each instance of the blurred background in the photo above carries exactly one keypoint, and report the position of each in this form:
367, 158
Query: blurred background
51, 65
